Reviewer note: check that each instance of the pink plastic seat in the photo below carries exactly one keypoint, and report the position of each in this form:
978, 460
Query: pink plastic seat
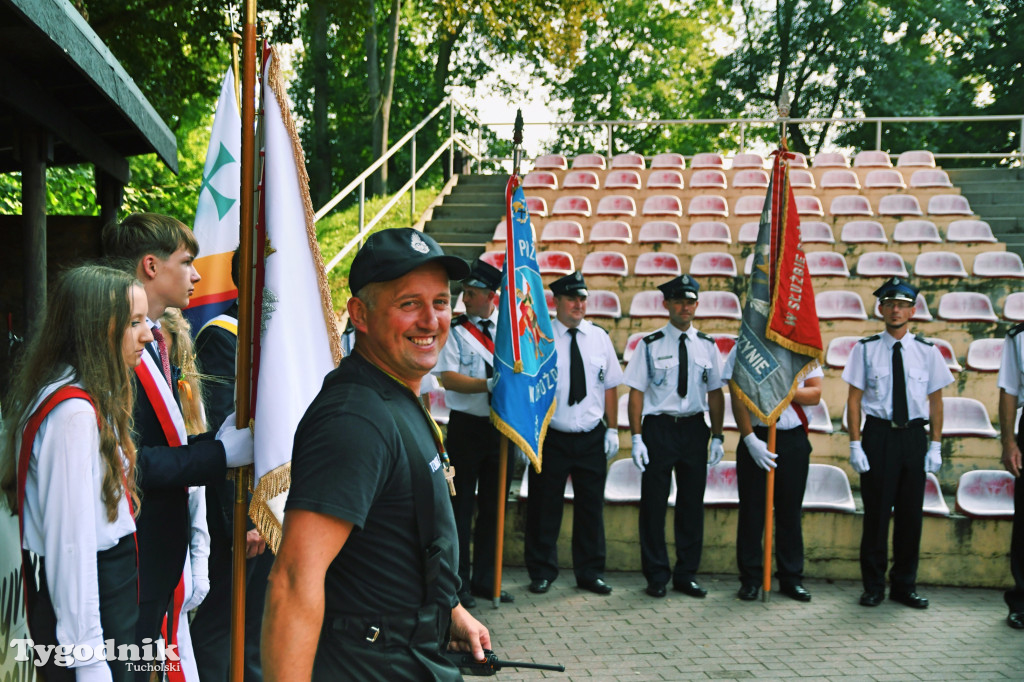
549, 298
629, 160
622, 485
748, 161
827, 264
581, 179
966, 306
816, 232
708, 179
657, 264
881, 264
939, 264
495, 258
965, 417
660, 232
839, 349
724, 343
603, 303
801, 179
718, 305
918, 157
616, 204
998, 264
555, 263
969, 231
751, 204
828, 489
537, 206
748, 264
830, 160
550, 162
921, 312
899, 204
589, 161
798, 160
927, 178
986, 494
500, 231
648, 304
916, 232
947, 353
610, 263
540, 180
949, 204
885, 178
438, 408
665, 179
840, 179
872, 159
622, 179
839, 304
818, 419
750, 179
720, 488
572, 205
985, 355
707, 160
611, 231
631, 344
709, 231
1013, 307
748, 233
663, 204
568, 231
669, 160
711, 264
863, 232
934, 503
850, 204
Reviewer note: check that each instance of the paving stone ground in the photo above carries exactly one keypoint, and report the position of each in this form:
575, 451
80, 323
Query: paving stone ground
630, 636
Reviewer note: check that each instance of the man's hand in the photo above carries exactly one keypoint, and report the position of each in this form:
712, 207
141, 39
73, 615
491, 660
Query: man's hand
639, 452
200, 588
758, 450
611, 443
238, 446
254, 544
717, 452
1011, 459
468, 634
933, 458
858, 460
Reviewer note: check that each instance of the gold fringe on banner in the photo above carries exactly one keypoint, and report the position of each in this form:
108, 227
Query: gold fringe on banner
506, 430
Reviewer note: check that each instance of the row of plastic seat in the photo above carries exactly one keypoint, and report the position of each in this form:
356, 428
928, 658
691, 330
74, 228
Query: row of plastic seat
983, 355
632, 160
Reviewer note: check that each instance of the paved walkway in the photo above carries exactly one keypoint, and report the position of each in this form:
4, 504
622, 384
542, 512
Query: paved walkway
630, 636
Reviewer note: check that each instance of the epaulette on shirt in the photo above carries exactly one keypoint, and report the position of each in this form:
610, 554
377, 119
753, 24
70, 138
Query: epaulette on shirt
873, 337
1017, 330
918, 337
461, 319
651, 338
706, 337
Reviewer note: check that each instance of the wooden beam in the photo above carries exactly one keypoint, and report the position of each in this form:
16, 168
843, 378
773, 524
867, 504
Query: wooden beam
33, 221
109, 195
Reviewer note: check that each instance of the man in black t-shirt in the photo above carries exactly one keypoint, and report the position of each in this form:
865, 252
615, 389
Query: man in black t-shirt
365, 583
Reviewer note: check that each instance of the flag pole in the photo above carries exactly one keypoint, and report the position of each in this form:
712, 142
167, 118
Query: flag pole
769, 514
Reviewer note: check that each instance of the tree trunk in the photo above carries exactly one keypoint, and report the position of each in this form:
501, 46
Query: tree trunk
389, 86
320, 168
374, 96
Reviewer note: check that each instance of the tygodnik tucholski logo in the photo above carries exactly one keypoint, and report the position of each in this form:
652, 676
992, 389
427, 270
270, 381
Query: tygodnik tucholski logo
150, 656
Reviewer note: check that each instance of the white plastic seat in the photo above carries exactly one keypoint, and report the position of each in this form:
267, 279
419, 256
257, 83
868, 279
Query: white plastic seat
540, 180
807, 204
872, 159
550, 162
934, 503
663, 204
603, 303
438, 408
863, 232
555, 263
631, 344
500, 231
839, 178
724, 343
970, 231
660, 232
966, 306
495, 258
629, 160
916, 232
881, 264
748, 233
623, 422
728, 418
589, 161
708, 178
839, 349
657, 264
750, 204
611, 231
748, 264
985, 355
816, 232
665, 179
827, 264
524, 487
562, 231
721, 489
965, 417
668, 160
801, 179
884, 178
705, 204
986, 494
712, 264
946, 351
998, 264
707, 160
798, 160
830, 160
818, 419
537, 206
571, 205
949, 204
622, 179
899, 204
750, 179
918, 157
839, 304
648, 304
549, 299
921, 312
581, 179
1013, 307
850, 204
622, 485
616, 204
939, 264
718, 305
748, 160
828, 489
608, 263
709, 231
929, 178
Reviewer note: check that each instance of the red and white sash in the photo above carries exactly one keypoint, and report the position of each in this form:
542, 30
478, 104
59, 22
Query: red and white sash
151, 376
472, 335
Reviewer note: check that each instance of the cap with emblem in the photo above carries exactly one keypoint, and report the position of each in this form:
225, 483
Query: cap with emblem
483, 276
389, 254
682, 286
570, 285
898, 289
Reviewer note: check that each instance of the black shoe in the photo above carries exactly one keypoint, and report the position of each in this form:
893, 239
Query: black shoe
540, 586
506, 598
796, 592
871, 598
655, 590
748, 593
1016, 620
911, 599
690, 588
597, 586
466, 599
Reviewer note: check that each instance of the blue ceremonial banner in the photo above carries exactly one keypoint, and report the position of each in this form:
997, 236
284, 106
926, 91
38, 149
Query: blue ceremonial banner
523, 399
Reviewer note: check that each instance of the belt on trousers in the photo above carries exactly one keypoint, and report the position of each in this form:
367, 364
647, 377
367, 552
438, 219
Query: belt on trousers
677, 420
575, 433
418, 627
912, 424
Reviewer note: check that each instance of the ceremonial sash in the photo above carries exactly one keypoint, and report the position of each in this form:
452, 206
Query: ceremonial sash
472, 335
801, 415
160, 397
169, 628
225, 322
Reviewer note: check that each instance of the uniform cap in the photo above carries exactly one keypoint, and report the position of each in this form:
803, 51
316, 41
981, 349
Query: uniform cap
483, 276
391, 253
570, 285
682, 286
898, 289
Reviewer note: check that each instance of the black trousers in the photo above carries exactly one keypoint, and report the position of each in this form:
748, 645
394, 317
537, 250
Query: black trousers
580, 455
1015, 597
794, 456
680, 444
893, 486
473, 450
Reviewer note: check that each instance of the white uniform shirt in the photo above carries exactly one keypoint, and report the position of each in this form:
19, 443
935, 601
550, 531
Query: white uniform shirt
788, 419
458, 355
659, 381
1010, 368
870, 369
601, 368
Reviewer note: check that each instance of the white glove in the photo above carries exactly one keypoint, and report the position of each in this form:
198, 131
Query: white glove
717, 452
933, 460
237, 443
640, 458
858, 460
611, 443
490, 383
758, 450
200, 588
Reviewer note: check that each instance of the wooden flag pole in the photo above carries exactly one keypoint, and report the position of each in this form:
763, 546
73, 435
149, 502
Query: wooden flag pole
499, 532
769, 514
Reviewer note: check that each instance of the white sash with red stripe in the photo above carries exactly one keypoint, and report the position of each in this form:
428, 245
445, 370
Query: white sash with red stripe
472, 335
151, 376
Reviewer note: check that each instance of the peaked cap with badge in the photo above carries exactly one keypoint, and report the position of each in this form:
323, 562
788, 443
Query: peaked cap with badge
483, 275
896, 288
570, 285
682, 286
391, 253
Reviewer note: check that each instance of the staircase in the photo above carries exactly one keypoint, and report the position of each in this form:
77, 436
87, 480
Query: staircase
465, 220
997, 196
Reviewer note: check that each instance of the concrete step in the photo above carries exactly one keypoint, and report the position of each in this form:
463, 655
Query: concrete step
480, 212
964, 175
498, 181
466, 253
996, 199
484, 229
459, 238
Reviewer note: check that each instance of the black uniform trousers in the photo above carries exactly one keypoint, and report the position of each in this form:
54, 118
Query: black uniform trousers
1015, 597
794, 456
472, 446
894, 486
580, 455
679, 443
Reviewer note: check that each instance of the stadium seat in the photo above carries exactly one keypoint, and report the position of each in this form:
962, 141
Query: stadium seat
850, 204
718, 305
801, 179
707, 160
872, 159
611, 263
665, 179
816, 232
939, 264
611, 231
438, 408
622, 485
748, 264
881, 264
924, 179
839, 349
603, 303
998, 264
965, 417
571, 205
657, 264
827, 264
934, 503
562, 231
495, 258
500, 231
916, 232
807, 204
581, 179
818, 419
949, 204
616, 204
884, 178
920, 158
623, 179
748, 161
863, 232
838, 304
830, 160
985, 355
947, 352
663, 204
986, 494
724, 343
589, 161
751, 204
713, 264
839, 179
748, 233
524, 487
899, 204
1013, 307
549, 298
969, 231
921, 312
540, 180
555, 263
660, 232
648, 304
798, 160
966, 306
750, 179
706, 231
537, 206
828, 489
668, 160
708, 179
550, 162
629, 160
707, 204
631, 343
720, 489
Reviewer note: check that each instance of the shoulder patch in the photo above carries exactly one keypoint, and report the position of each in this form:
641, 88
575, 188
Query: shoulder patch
461, 319
868, 339
597, 326
921, 339
706, 337
1016, 330
651, 338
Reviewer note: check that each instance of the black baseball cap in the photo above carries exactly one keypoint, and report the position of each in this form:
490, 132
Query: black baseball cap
391, 253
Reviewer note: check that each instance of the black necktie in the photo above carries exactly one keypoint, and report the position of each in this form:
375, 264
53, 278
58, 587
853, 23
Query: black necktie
484, 324
684, 367
577, 378
899, 387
